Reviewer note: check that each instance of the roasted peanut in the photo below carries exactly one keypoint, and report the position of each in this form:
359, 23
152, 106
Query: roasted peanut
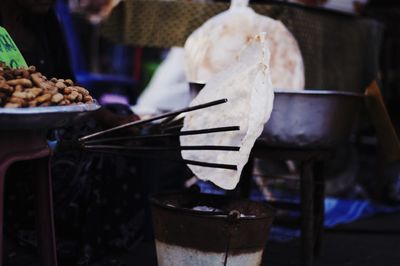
65, 102
27, 95
32, 103
35, 91
17, 100
58, 97
19, 94
12, 105
68, 90
45, 104
37, 79
8, 75
87, 98
18, 88
69, 82
4, 87
60, 85
18, 72
44, 98
31, 69
82, 91
24, 82
40, 81
73, 96
25, 74
52, 90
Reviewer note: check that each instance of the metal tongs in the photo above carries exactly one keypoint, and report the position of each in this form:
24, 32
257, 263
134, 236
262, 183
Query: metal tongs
138, 145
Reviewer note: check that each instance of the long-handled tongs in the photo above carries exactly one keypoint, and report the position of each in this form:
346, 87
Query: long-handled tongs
133, 146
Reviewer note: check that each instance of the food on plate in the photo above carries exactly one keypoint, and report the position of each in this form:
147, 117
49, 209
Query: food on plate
216, 44
26, 87
247, 86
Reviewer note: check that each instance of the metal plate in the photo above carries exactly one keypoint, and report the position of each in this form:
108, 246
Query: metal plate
43, 117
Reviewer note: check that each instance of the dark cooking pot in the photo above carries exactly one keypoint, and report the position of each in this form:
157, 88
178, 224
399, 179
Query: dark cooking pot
308, 118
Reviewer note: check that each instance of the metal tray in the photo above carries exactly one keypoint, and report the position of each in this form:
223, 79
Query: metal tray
43, 117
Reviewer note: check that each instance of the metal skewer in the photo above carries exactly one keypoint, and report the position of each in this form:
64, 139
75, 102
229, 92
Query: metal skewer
145, 121
171, 128
211, 165
175, 148
166, 135
168, 124
174, 121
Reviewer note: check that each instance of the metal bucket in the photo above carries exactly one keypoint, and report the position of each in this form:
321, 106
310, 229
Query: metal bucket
225, 232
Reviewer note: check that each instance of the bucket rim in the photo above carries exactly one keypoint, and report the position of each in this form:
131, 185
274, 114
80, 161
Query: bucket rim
269, 210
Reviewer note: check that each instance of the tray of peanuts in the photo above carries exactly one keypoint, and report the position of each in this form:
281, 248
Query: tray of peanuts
29, 100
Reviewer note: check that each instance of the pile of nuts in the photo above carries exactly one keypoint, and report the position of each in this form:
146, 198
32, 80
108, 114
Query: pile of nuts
25, 87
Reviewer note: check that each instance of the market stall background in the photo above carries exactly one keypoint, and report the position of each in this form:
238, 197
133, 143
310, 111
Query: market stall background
340, 51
